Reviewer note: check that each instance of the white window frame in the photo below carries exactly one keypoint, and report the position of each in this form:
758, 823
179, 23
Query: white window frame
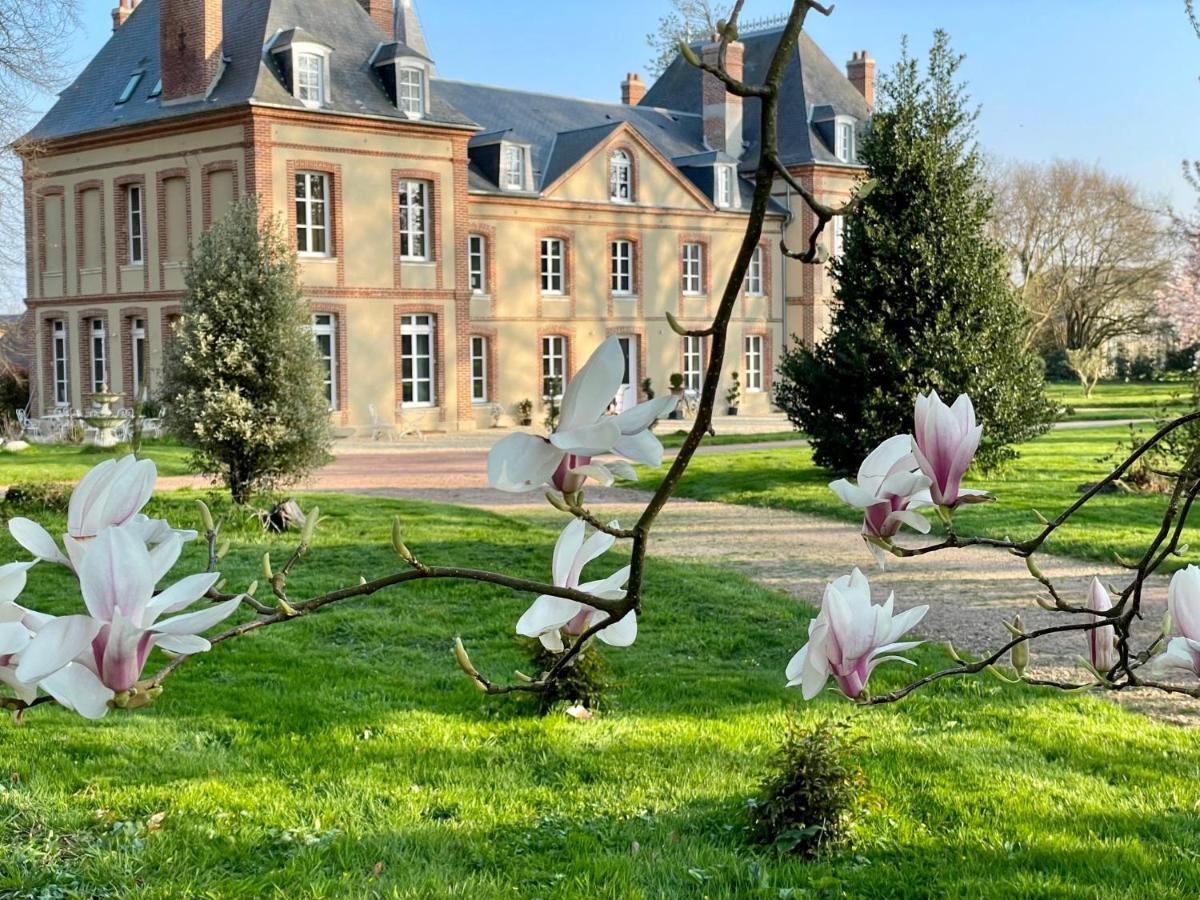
477, 264
839, 235
137, 347
98, 349
325, 325
844, 140
410, 94
754, 350
61, 362
724, 187
515, 164
309, 229
693, 362
554, 362
130, 86
414, 219
621, 263
755, 273
136, 210
692, 272
309, 72
479, 369
412, 327
620, 180
553, 267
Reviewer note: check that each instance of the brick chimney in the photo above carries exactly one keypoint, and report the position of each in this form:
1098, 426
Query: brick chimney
123, 11
861, 72
189, 43
384, 14
633, 89
723, 110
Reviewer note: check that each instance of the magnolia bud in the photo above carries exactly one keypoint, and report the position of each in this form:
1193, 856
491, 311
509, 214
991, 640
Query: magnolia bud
310, 525
398, 541
557, 502
222, 549
287, 609
521, 676
464, 661
1037, 515
1033, 569
1167, 624
1182, 550
867, 188
688, 53
251, 589
206, 518
1020, 652
675, 326
266, 567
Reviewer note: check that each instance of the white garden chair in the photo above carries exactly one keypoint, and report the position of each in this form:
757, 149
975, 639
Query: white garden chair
380, 430
404, 427
30, 428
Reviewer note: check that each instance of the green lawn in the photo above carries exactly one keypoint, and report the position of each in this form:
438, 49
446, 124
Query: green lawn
672, 435
1046, 477
1120, 400
65, 462
345, 755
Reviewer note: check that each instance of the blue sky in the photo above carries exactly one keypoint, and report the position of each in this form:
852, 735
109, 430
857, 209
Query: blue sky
1098, 80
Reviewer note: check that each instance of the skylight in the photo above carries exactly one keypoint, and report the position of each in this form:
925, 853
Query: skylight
130, 86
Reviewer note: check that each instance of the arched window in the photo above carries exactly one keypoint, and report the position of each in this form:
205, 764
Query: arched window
621, 177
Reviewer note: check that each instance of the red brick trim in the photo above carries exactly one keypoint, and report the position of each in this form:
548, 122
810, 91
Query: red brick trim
341, 326
491, 287
433, 226
127, 315
81, 188
768, 368
92, 299
564, 331
257, 135
705, 270
491, 380
639, 332
169, 318
45, 319
206, 173
333, 203
30, 233
439, 354
639, 286
462, 291
42, 238
568, 293
765, 246
160, 192
121, 234
84, 342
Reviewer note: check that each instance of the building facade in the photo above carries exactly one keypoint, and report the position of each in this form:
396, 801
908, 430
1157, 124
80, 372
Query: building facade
463, 247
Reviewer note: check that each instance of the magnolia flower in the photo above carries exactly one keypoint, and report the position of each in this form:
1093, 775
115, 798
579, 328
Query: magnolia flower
112, 493
889, 487
850, 637
1102, 649
524, 462
117, 577
946, 440
1183, 607
549, 614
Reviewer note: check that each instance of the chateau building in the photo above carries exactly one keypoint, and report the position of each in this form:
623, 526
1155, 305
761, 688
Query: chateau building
464, 247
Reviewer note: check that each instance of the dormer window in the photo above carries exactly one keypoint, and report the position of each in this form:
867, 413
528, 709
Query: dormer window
310, 78
621, 177
410, 90
844, 141
514, 167
724, 187
303, 64
130, 86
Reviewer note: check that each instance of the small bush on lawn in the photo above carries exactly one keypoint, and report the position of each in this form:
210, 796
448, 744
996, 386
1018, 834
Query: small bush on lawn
586, 682
809, 800
38, 497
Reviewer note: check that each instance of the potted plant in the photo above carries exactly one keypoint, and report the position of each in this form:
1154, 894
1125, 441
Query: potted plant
676, 381
525, 412
733, 396
648, 388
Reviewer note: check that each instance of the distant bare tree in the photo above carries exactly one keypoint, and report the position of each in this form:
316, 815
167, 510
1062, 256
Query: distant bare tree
1089, 254
689, 20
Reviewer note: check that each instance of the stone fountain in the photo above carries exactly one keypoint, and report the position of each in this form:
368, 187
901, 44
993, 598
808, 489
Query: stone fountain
102, 417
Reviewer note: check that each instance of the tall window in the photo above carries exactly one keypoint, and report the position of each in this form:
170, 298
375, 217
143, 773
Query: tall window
724, 186
99, 360
554, 365
754, 274
514, 168
312, 213
839, 235
324, 329
310, 78
622, 267
410, 90
621, 177
133, 198
137, 344
58, 341
845, 142
553, 266
477, 263
693, 362
414, 220
416, 360
754, 362
479, 373
693, 268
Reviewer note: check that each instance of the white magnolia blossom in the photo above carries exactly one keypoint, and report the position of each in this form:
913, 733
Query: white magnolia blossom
524, 462
1183, 607
113, 493
946, 439
850, 637
549, 615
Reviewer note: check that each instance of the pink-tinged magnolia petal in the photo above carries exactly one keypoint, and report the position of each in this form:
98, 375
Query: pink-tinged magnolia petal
548, 613
592, 389
894, 453
610, 588
201, 620
902, 484
180, 595
182, 644
642, 416
36, 539
598, 472
621, 633
570, 539
588, 440
76, 551
852, 494
122, 652
76, 687
594, 547
87, 500
117, 573
1179, 655
14, 637
56, 644
131, 489
26, 693
642, 447
913, 520
163, 557
579, 712
622, 470
12, 579
522, 462
1183, 602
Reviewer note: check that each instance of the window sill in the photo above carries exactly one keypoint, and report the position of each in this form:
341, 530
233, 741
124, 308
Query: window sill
91, 270
317, 257
695, 294
417, 261
555, 295
481, 295
481, 403
625, 296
